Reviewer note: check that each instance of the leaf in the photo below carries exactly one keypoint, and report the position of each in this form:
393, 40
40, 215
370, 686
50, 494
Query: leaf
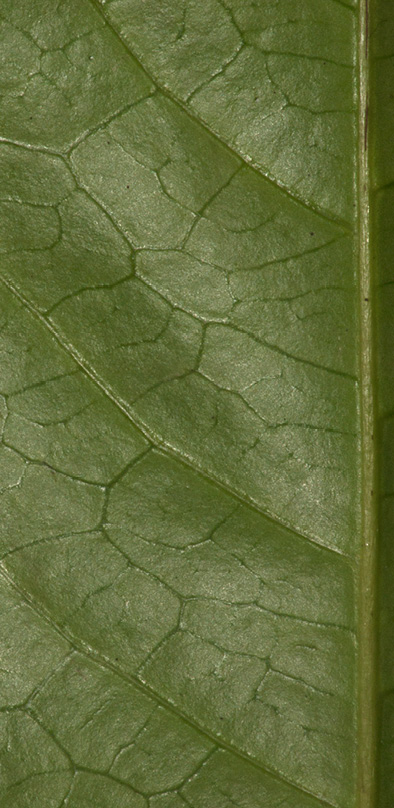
195, 241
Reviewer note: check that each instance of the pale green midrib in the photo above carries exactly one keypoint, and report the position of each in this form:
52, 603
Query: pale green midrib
88, 651
367, 652
157, 442
318, 211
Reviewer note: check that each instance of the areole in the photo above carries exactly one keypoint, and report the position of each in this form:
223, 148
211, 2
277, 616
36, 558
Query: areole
198, 431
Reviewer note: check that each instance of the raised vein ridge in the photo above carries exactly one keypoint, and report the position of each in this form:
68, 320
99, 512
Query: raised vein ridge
367, 653
88, 651
155, 441
316, 209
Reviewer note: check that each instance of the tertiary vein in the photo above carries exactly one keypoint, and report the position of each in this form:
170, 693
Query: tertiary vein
153, 438
191, 114
86, 650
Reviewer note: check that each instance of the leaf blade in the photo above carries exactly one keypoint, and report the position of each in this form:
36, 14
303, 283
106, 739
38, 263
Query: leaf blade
195, 307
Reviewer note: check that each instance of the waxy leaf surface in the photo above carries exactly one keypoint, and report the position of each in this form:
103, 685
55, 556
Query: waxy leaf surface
184, 507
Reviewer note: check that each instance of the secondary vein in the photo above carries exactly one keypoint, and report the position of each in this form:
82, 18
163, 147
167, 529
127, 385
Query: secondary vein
83, 648
317, 210
154, 439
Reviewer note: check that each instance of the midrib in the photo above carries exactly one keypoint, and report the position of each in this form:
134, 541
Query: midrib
367, 652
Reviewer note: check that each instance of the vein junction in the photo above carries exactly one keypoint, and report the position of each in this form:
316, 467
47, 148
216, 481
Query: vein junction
187, 408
